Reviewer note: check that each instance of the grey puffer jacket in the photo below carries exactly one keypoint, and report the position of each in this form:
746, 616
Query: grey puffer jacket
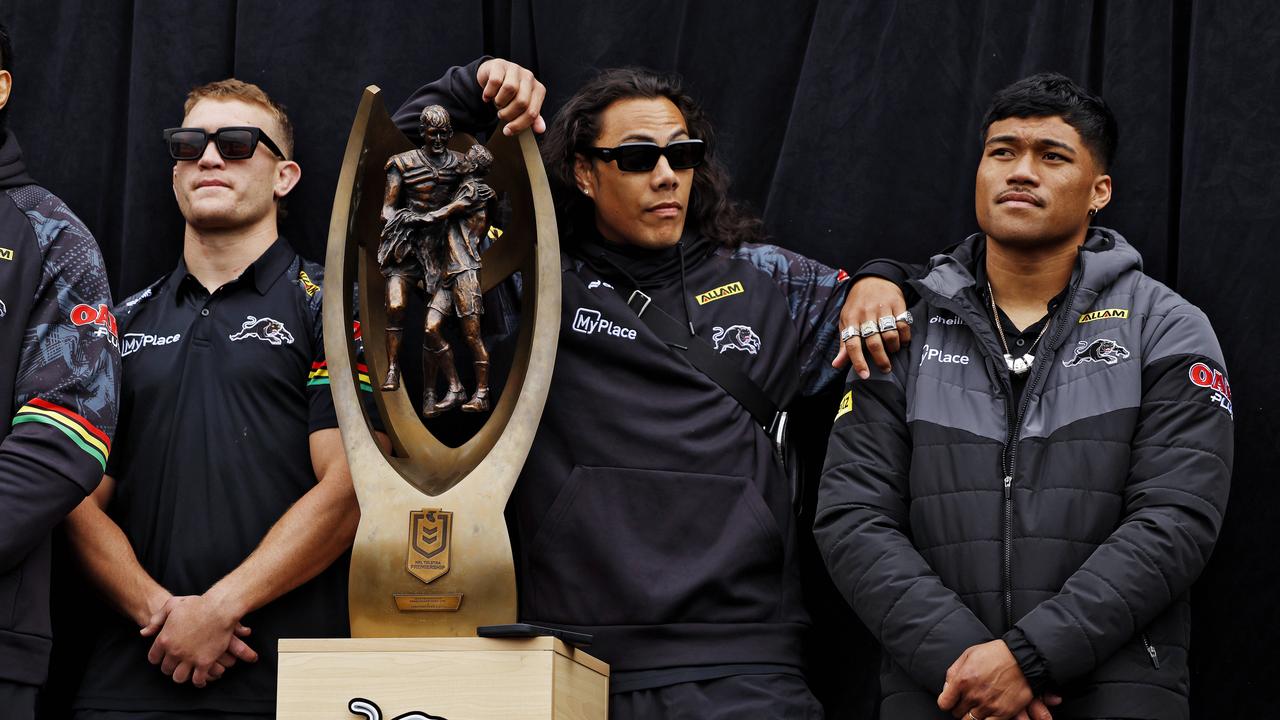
1080, 513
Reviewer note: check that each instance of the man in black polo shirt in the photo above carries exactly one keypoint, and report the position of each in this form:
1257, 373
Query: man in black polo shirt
59, 378
229, 498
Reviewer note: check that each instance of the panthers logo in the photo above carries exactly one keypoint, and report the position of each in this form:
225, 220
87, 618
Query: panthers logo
370, 710
266, 329
1101, 350
736, 337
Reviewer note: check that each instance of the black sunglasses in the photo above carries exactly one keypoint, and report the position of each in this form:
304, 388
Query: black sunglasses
643, 156
233, 143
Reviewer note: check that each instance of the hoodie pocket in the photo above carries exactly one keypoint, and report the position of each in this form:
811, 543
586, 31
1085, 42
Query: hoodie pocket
643, 547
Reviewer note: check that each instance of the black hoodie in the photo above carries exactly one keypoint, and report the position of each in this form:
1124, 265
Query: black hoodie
59, 375
651, 512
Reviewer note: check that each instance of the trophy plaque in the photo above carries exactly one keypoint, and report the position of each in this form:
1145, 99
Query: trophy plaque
432, 558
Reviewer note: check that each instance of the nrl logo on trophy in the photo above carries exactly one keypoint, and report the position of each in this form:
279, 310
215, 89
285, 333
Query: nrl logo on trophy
429, 544
426, 231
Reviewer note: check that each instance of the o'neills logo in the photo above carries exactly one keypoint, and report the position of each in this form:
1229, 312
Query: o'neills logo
429, 532
1117, 313
724, 291
6, 254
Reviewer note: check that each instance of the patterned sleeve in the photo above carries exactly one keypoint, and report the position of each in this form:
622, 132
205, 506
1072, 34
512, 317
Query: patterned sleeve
323, 414
66, 389
815, 294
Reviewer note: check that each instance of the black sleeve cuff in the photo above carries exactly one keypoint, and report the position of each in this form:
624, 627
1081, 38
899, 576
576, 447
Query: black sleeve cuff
459, 93
895, 272
1034, 667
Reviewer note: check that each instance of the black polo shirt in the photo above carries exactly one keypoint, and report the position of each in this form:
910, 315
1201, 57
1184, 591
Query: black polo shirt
221, 392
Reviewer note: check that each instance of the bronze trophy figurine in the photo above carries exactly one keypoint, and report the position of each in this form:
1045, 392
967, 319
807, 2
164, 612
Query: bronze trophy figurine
435, 216
432, 561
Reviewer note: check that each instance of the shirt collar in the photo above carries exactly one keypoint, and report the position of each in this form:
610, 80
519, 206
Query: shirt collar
261, 273
980, 280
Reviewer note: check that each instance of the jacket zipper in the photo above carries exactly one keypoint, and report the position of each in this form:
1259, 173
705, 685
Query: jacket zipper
1151, 650
1011, 452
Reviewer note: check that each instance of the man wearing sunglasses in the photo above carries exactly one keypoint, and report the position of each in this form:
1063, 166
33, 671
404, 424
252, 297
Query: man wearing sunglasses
230, 496
59, 379
652, 512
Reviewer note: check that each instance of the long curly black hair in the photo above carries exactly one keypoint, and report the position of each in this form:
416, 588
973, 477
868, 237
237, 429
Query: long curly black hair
577, 125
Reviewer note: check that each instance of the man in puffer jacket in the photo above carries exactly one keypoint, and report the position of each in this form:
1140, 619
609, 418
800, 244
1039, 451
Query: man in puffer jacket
1018, 510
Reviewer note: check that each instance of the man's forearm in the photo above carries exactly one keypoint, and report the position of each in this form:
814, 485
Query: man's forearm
302, 543
111, 564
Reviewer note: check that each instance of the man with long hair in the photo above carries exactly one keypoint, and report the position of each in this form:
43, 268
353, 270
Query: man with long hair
653, 512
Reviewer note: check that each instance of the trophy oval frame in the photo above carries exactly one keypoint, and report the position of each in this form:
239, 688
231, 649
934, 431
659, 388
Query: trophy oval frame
472, 481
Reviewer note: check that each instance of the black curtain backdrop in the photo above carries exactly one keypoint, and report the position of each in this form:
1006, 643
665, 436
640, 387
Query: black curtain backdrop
850, 125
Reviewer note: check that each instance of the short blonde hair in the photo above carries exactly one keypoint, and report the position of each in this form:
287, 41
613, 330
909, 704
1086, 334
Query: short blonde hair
233, 89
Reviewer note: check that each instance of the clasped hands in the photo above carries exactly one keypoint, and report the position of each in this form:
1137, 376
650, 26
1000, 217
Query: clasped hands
986, 682
196, 639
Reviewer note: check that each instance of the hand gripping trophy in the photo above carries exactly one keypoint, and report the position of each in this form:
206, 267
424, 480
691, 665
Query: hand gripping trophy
435, 215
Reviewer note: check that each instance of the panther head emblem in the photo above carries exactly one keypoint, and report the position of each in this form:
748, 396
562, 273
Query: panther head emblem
1101, 350
736, 337
370, 711
266, 329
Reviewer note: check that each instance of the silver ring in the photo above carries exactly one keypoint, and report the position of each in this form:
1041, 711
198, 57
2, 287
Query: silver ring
848, 334
887, 323
905, 317
867, 329
971, 716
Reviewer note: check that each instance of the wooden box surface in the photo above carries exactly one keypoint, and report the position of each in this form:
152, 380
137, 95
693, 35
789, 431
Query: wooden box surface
451, 678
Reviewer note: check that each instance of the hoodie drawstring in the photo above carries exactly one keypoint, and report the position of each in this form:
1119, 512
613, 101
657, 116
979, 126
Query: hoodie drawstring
684, 290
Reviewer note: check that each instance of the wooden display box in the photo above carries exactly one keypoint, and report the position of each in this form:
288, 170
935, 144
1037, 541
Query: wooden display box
453, 678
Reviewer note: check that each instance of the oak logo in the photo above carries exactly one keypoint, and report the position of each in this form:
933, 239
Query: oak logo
100, 316
1109, 313
1215, 382
370, 711
6, 254
724, 291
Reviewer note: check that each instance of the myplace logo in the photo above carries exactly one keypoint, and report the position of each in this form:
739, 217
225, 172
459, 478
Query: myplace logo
133, 342
589, 322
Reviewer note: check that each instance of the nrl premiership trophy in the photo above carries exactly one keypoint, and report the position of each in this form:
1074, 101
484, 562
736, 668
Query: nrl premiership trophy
432, 559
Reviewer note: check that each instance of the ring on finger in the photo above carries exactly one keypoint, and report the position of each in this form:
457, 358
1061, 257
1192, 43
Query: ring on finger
848, 333
971, 716
867, 329
905, 317
887, 323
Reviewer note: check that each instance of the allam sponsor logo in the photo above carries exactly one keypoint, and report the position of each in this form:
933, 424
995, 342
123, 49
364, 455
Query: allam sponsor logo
724, 291
589, 321
1109, 313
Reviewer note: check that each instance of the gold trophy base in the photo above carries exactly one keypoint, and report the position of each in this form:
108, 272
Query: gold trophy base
454, 678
